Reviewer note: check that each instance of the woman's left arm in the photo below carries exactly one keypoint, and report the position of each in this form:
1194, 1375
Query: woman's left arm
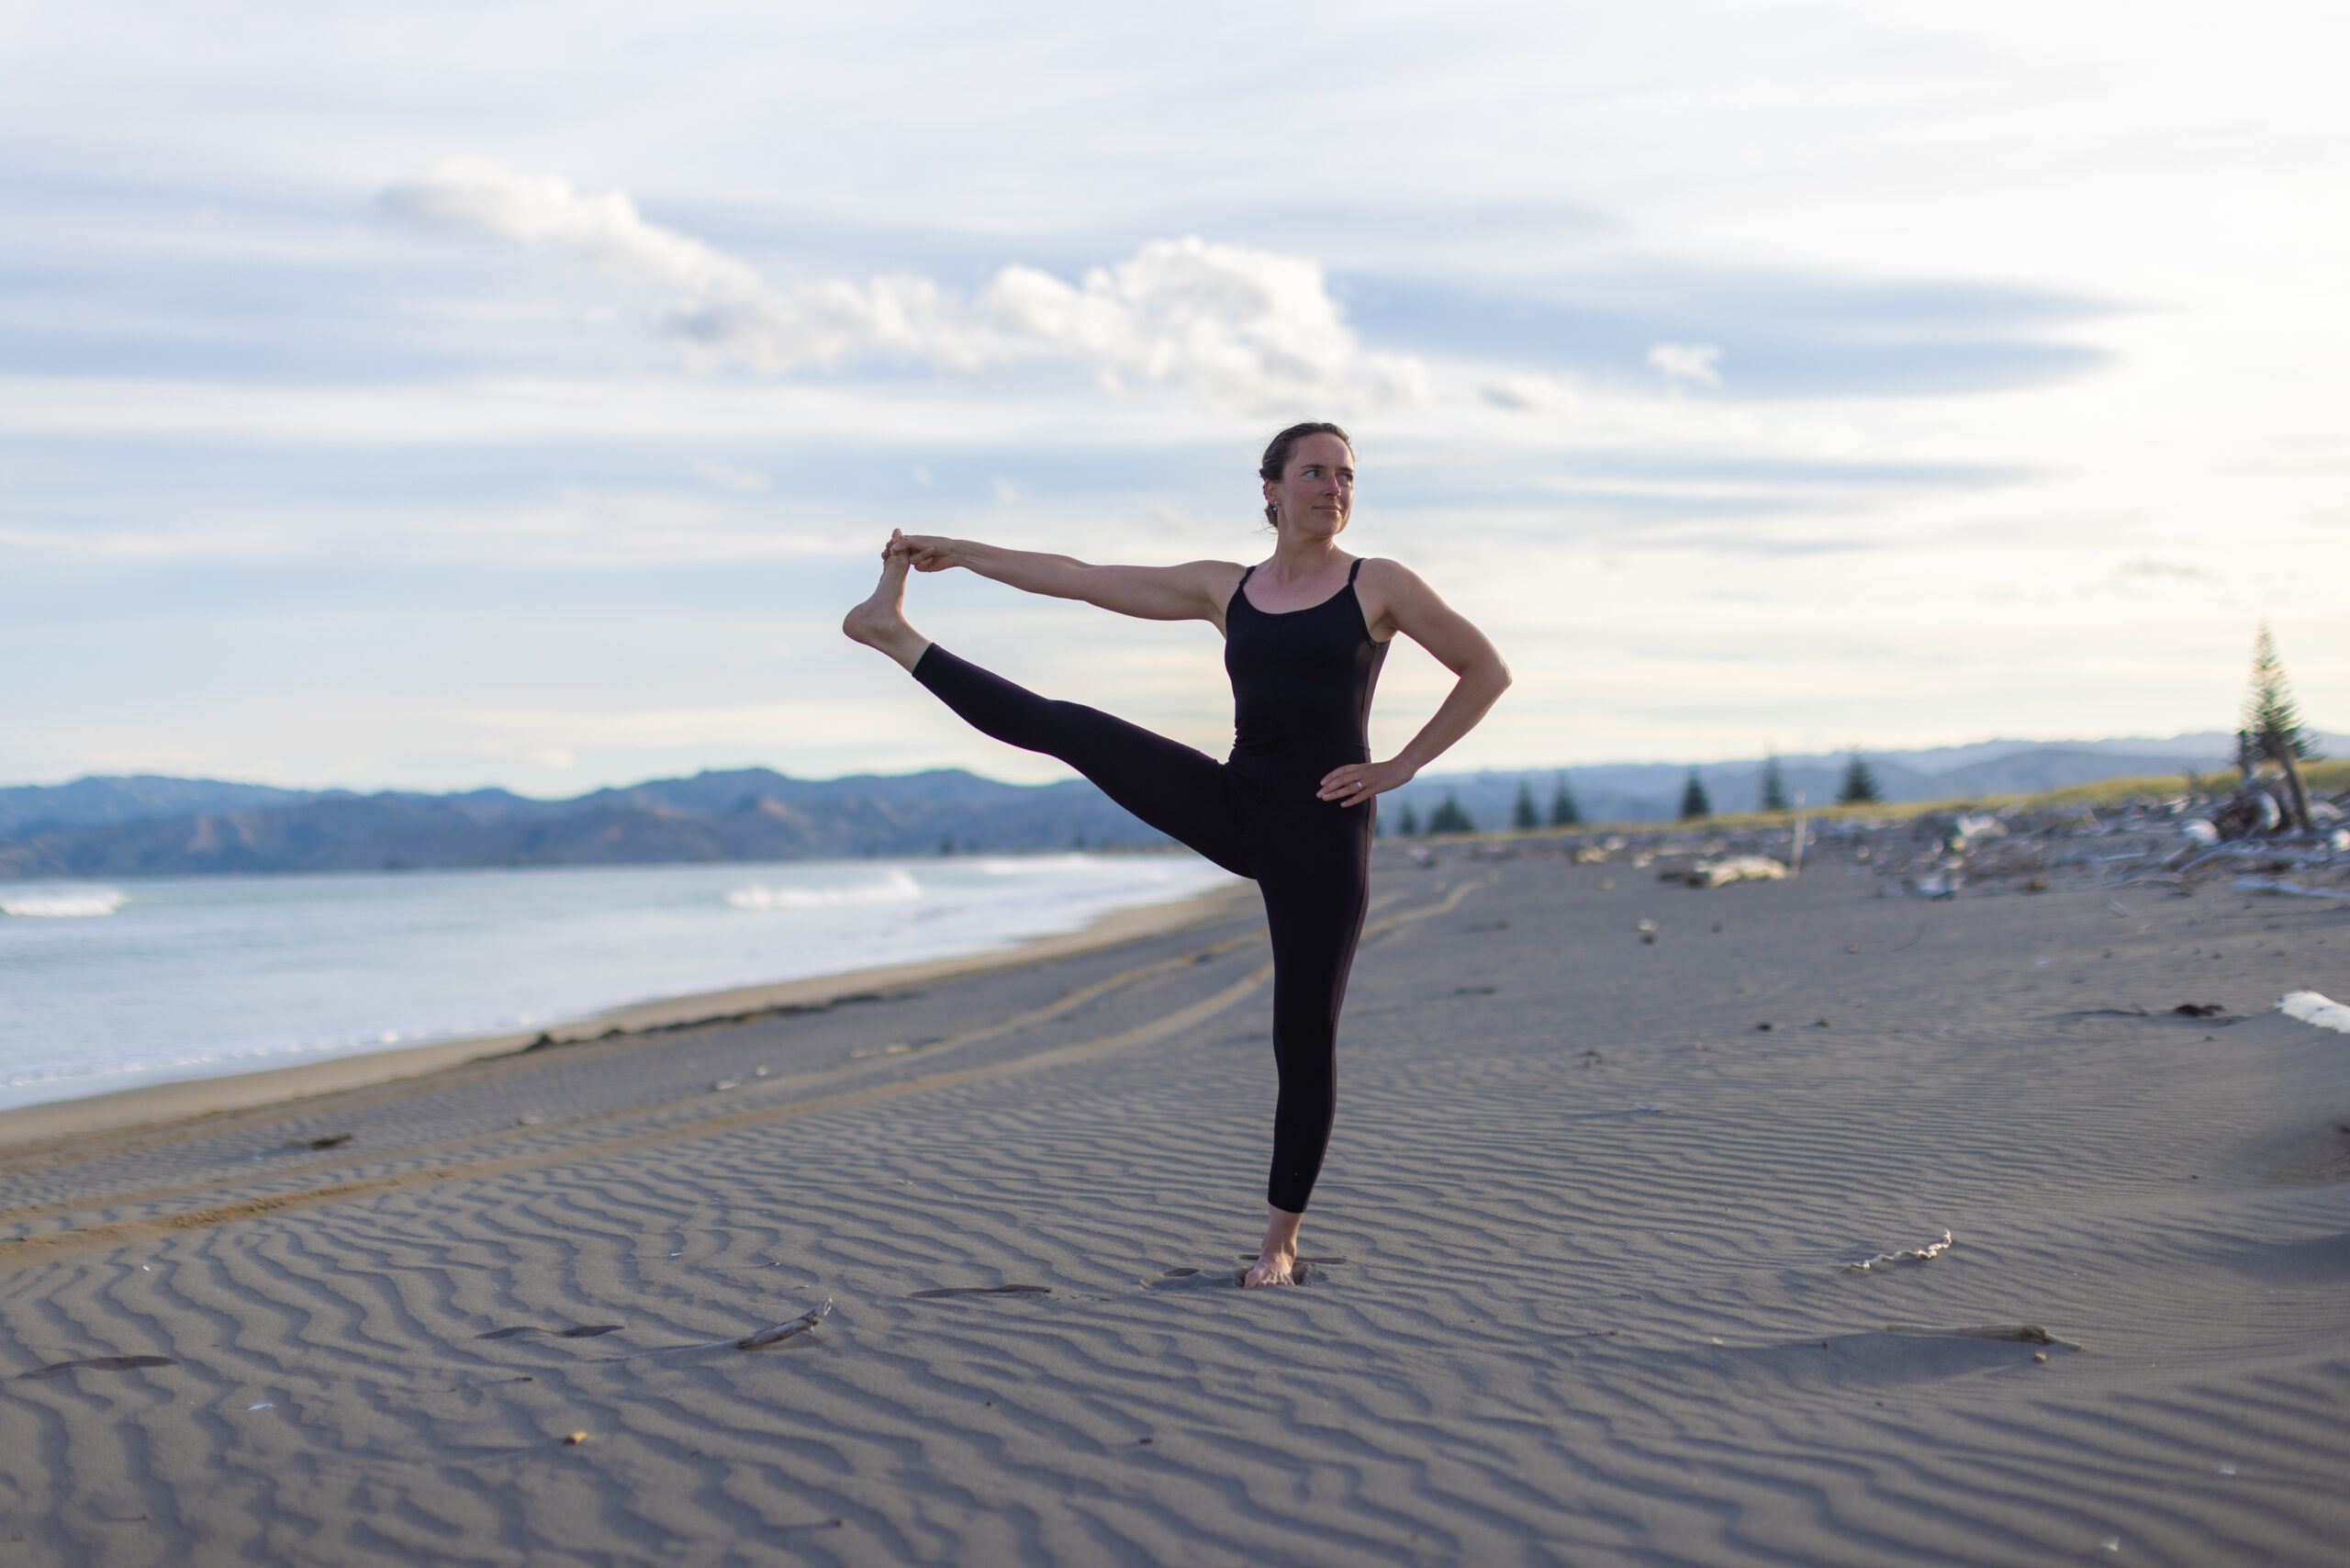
1397, 598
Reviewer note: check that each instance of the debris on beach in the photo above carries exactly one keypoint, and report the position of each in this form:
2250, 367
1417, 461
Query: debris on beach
1967, 828
804, 1323
2177, 838
573, 1439
1734, 868
981, 1290
2020, 1333
2311, 1007
2291, 890
1913, 1255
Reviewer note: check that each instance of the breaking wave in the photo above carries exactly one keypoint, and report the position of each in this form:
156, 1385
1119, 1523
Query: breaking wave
56, 903
895, 886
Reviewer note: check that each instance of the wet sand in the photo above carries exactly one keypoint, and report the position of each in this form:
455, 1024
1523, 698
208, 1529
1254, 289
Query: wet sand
1580, 1292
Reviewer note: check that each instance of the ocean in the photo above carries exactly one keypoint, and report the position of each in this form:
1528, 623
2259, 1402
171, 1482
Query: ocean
110, 987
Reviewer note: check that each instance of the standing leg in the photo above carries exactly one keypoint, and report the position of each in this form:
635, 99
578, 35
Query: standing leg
1314, 900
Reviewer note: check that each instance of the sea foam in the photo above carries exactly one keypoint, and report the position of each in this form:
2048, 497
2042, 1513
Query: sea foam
895, 886
60, 904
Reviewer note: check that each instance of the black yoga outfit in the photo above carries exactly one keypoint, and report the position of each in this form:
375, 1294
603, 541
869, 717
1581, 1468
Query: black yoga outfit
1301, 689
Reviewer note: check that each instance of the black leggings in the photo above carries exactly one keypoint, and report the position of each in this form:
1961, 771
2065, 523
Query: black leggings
1254, 816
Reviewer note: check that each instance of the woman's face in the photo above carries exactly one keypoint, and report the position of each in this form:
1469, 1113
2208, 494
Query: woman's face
1317, 492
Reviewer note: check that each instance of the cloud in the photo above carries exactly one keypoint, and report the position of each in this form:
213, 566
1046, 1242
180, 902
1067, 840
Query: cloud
1533, 394
474, 195
1678, 362
1227, 323
1222, 319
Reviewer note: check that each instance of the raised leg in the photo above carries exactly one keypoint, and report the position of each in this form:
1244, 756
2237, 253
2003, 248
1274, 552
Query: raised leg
1174, 789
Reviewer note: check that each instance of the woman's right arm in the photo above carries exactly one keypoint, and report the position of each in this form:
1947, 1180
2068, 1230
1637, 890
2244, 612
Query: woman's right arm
1197, 590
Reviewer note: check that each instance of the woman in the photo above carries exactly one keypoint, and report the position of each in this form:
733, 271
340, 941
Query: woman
1304, 634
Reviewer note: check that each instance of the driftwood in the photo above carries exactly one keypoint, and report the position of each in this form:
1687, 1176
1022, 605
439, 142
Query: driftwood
2022, 1333
1734, 868
1914, 1255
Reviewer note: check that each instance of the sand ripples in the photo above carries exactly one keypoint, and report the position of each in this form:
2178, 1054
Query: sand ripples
1585, 1313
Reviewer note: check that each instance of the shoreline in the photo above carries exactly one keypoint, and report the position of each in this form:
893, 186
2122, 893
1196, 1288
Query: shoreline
187, 1099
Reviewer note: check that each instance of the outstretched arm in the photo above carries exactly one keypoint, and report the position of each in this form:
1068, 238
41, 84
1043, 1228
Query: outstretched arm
1397, 598
1197, 590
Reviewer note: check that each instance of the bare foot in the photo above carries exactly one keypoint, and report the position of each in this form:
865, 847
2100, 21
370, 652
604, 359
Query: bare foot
880, 621
1277, 1259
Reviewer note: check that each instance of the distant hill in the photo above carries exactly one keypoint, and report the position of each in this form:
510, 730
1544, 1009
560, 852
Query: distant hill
90, 802
157, 826
745, 814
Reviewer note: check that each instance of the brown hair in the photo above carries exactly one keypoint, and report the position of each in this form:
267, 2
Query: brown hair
1277, 455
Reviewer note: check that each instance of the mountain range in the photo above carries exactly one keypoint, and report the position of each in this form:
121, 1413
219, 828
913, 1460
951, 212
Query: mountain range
149, 825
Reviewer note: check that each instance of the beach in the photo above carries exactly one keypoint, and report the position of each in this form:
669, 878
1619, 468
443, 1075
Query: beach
1581, 1282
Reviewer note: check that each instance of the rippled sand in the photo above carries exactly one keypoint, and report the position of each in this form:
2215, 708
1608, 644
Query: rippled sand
1578, 1289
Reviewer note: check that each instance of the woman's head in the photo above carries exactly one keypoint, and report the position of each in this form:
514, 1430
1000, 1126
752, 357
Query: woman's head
1311, 459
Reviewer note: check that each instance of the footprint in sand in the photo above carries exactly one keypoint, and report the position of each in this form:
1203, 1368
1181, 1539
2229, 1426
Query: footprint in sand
98, 1363
1192, 1279
584, 1331
1307, 1272
981, 1290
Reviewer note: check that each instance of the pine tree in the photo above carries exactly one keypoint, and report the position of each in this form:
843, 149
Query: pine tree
1451, 818
1523, 816
2271, 726
1410, 826
1564, 810
2273, 730
1775, 786
1694, 803
1860, 785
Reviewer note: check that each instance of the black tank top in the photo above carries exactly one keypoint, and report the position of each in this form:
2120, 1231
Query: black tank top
1300, 681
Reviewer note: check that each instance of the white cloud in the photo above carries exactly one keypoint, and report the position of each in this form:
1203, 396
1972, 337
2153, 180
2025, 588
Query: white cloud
476, 195
1238, 324
1228, 324
1678, 362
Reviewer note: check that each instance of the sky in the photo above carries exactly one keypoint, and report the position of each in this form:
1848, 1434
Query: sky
443, 396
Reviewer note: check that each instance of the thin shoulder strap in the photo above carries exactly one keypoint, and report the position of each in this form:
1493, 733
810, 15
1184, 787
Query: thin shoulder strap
1246, 573
1354, 571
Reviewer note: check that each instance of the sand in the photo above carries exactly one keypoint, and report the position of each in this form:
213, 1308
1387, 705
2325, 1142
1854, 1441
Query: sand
1580, 1290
